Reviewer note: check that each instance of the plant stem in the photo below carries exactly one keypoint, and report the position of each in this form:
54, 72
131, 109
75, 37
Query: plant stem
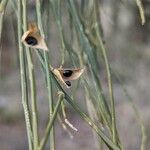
24, 89
141, 11
48, 77
32, 84
1, 27
3, 5
51, 121
55, 4
2, 11
110, 86
113, 118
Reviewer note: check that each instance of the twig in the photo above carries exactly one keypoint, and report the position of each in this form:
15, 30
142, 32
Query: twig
32, 83
3, 5
141, 10
24, 89
51, 121
48, 77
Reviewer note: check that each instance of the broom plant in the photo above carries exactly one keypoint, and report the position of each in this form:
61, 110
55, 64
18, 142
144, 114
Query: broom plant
83, 47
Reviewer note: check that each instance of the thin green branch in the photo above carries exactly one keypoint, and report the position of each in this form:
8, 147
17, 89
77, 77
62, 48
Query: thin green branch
141, 10
55, 4
3, 5
32, 83
24, 89
1, 23
114, 136
109, 78
51, 121
1, 28
93, 114
48, 77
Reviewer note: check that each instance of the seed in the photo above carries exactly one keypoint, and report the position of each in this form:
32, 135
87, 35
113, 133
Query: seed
31, 40
67, 73
68, 83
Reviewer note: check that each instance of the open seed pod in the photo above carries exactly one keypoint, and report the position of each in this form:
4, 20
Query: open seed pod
33, 39
67, 75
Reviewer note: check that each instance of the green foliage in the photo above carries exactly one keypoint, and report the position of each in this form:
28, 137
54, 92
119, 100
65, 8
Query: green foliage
85, 48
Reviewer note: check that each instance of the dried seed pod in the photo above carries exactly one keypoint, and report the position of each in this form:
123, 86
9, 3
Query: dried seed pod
70, 74
66, 75
32, 38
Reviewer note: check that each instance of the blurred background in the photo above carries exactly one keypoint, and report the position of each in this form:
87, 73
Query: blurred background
128, 48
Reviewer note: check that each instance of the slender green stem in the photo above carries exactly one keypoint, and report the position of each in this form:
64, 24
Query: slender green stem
141, 10
93, 114
110, 86
1, 23
114, 136
63, 110
32, 83
48, 77
24, 78
2, 12
51, 121
3, 5
1, 27
55, 4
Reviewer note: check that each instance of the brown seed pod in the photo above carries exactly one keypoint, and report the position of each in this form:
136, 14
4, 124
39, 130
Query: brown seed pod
66, 75
32, 38
70, 74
